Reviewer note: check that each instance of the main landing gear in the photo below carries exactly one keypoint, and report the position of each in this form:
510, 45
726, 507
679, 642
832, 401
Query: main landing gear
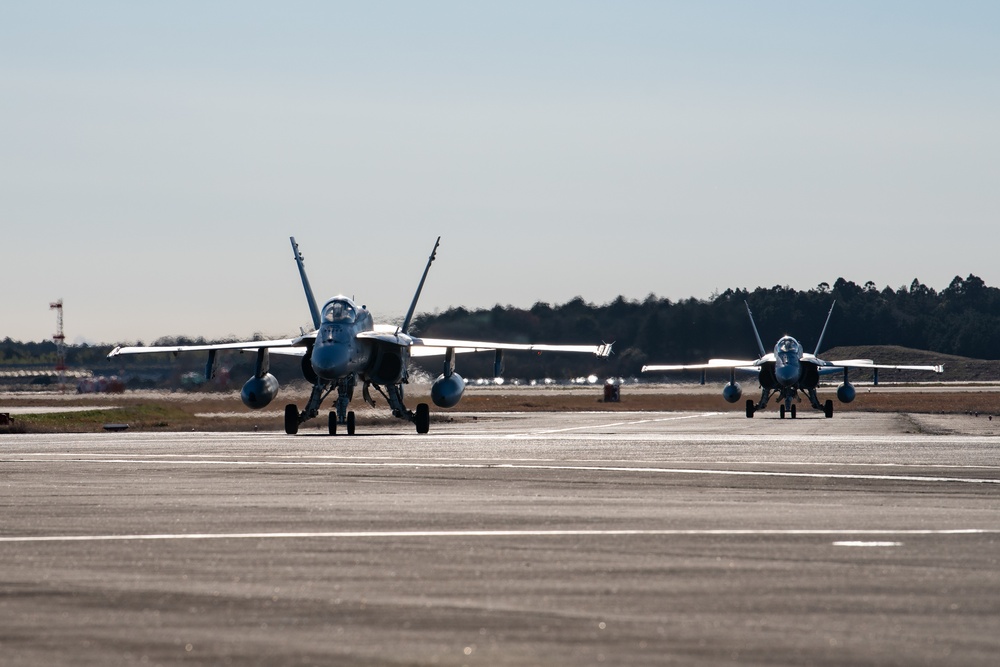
340, 416
421, 419
826, 407
291, 419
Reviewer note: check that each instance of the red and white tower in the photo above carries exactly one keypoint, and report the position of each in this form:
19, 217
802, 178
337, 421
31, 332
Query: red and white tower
60, 340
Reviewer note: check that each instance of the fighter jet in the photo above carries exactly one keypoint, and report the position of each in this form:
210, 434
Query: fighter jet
787, 371
346, 348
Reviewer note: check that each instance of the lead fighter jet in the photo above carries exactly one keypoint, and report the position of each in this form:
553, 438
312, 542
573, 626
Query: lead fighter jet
786, 371
346, 348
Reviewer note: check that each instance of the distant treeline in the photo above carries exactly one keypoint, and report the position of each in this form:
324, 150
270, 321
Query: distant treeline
963, 319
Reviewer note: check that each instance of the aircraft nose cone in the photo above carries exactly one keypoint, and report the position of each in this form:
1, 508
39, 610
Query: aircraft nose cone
331, 361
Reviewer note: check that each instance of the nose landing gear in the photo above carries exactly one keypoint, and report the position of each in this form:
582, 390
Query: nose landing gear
350, 423
790, 410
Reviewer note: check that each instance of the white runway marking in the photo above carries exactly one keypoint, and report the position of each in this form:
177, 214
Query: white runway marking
613, 424
867, 544
928, 479
48, 410
407, 534
360, 460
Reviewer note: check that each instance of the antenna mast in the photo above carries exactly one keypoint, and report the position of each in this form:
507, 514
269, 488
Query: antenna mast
60, 341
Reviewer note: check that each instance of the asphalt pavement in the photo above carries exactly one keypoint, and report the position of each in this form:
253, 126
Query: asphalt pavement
508, 539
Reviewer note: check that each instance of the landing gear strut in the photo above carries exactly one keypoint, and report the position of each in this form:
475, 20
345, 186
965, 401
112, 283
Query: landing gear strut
340, 415
293, 417
787, 406
394, 394
765, 396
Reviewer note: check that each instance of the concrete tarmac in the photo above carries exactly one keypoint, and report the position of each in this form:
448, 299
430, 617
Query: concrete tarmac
508, 539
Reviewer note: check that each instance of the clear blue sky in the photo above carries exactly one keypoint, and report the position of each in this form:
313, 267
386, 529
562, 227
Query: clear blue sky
157, 156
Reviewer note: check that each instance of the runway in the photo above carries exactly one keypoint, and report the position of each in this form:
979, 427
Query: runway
509, 539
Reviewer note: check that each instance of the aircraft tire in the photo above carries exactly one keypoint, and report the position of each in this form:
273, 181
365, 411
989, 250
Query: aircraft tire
333, 423
350, 423
793, 412
781, 411
291, 419
828, 409
423, 418
750, 409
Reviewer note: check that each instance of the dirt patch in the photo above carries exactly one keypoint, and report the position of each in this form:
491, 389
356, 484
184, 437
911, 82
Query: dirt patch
172, 411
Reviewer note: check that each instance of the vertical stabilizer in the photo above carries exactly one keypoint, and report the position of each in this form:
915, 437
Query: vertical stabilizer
313, 308
420, 287
760, 345
825, 324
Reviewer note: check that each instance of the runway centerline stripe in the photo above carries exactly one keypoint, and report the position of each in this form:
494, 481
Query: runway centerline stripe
407, 534
522, 466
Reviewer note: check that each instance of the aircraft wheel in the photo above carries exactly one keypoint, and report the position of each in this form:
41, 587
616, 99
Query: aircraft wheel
333, 423
423, 418
793, 412
291, 419
828, 408
750, 409
781, 411
350, 423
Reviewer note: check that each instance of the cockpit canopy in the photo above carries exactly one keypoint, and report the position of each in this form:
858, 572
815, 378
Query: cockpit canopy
788, 346
339, 311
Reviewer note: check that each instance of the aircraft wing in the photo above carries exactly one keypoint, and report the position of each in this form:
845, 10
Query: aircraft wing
868, 363
424, 347
297, 351
602, 350
740, 364
282, 346
431, 351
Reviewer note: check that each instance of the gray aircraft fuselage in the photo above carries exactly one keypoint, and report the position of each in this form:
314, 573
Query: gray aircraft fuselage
788, 369
337, 352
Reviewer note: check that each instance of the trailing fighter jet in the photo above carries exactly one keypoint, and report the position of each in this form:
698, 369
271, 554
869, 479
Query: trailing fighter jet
346, 348
786, 371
